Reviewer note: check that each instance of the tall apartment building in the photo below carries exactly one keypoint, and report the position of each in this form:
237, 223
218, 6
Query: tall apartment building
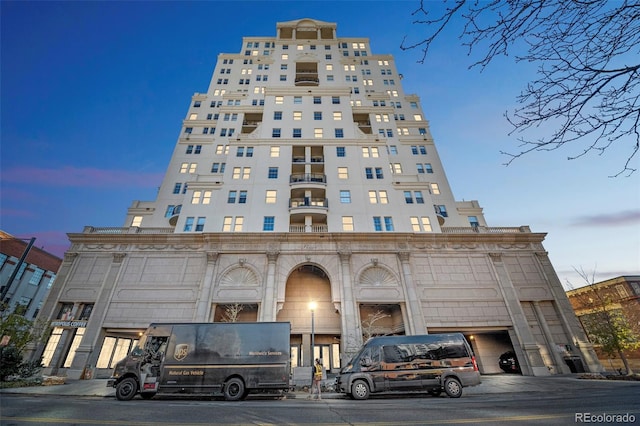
306, 174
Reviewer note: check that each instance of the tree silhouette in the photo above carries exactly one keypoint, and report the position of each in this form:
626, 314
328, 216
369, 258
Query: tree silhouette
587, 84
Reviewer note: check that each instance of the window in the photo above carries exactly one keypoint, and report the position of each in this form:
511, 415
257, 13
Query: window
297, 133
249, 151
317, 133
231, 198
337, 115
347, 223
274, 151
269, 223
238, 225
393, 150
242, 199
343, 173
370, 152
195, 198
376, 197
236, 172
297, 115
473, 221
36, 276
222, 149
270, 196
377, 223
368, 172
279, 100
200, 224
297, 100
197, 104
441, 210
277, 115
408, 197
206, 197
240, 151
284, 56
417, 117
345, 196
388, 223
335, 100
193, 116
419, 197
176, 188
246, 172
340, 151
218, 167
275, 133
188, 130
273, 173
317, 115
379, 173
188, 224
339, 133
283, 77
420, 224
435, 189
396, 168
427, 168
317, 100
226, 224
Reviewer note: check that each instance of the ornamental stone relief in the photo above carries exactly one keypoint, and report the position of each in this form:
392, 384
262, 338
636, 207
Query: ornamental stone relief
239, 277
377, 276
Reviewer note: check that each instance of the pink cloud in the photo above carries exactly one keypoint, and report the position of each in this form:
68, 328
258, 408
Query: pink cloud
630, 217
81, 177
17, 213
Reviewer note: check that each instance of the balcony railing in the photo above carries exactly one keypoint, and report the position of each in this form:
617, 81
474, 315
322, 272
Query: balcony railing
308, 177
310, 228
484, 230
308, 202
307, 81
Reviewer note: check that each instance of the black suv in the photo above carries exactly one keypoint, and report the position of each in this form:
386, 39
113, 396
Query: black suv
509, 363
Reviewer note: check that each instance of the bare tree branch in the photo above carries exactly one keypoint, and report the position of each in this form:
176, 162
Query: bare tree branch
587, 89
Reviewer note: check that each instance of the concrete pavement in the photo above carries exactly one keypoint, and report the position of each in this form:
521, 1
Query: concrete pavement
491, 384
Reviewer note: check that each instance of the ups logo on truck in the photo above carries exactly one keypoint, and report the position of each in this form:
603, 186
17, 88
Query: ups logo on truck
181, 352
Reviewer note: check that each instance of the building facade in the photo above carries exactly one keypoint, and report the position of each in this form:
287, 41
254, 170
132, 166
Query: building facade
306, 174
24, 289
604, 301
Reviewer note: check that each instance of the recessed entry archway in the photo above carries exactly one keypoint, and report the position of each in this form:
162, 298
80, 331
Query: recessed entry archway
308, 283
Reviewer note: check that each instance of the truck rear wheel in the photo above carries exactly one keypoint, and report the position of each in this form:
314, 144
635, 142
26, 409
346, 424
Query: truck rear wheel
234, 389
127, 389
452, 387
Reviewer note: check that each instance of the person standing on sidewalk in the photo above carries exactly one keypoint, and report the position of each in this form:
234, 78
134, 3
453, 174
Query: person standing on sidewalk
316, 380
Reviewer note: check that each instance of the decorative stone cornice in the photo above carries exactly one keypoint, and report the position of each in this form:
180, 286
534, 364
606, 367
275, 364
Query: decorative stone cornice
495, 256
119, 257
70, 256
212, 256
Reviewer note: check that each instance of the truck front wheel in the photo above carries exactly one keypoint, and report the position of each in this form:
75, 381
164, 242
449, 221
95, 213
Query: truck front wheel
360, 390
234, 389
126, 389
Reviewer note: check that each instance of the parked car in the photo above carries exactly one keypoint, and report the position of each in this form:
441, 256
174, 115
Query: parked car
509, 363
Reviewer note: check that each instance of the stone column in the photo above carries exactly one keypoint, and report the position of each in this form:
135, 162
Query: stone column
533, 364
268, 310
85, 357
203, 305
561, 366
416, 324
570, 323
351, 328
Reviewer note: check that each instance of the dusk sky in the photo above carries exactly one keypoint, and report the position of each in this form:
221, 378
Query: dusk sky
94, 93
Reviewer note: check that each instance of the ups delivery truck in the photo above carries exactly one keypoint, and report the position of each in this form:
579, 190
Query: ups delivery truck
229, 359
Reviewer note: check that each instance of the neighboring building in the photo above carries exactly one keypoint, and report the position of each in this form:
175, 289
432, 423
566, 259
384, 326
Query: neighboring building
31, 283
306, 174
617, 294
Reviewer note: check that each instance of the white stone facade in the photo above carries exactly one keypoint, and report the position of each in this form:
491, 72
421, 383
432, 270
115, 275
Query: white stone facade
306, 174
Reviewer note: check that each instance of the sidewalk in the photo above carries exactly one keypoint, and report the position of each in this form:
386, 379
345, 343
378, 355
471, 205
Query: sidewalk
491, 384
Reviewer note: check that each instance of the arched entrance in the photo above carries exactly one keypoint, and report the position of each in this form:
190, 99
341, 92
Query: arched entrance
306, 284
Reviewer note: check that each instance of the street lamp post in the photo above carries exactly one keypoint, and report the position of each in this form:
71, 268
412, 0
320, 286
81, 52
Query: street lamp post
312, 307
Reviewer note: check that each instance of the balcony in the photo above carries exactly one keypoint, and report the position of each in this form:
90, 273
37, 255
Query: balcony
307, 80
308, 203
311, 228
314, 178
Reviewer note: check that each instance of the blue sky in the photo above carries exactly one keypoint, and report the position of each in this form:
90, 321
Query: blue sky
93, 95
